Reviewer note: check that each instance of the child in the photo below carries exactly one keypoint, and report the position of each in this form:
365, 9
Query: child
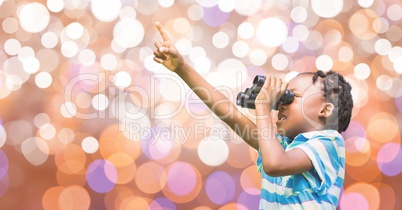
303, 168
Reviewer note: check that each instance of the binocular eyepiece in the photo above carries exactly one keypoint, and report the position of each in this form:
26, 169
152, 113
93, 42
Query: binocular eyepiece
247, 98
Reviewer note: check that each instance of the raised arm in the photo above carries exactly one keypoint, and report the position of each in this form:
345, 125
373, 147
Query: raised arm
167, 54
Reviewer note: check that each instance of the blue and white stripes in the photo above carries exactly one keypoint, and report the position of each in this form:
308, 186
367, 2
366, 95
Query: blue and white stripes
318, 188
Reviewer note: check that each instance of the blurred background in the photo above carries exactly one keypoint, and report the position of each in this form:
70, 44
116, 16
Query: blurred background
90, 121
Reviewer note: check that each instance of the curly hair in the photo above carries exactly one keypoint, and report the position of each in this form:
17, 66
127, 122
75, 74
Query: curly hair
338, 92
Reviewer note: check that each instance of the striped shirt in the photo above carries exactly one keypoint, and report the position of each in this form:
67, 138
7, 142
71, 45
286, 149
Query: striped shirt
318, 188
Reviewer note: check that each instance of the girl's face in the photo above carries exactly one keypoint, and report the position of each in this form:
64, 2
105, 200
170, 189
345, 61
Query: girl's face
302, 115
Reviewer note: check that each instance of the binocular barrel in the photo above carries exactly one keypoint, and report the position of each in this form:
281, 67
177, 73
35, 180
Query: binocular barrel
247, 98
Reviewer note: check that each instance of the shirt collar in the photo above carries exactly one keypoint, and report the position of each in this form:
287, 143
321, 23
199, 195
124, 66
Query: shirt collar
311, 134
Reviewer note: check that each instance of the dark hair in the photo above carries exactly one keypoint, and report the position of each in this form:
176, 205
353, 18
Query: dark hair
338, 92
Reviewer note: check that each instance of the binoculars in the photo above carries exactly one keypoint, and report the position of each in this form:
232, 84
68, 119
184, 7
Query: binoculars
247, 98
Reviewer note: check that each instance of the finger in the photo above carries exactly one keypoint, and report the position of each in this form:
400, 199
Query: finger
159, 55
158, 45
274, 116
158, 60
164, 50
273, 82
267, 82
162, 31
278, 83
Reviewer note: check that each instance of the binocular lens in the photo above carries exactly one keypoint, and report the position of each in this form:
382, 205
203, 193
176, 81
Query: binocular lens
286, 99
247, 98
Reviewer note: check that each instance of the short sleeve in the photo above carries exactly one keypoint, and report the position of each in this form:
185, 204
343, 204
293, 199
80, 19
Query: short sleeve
325, 156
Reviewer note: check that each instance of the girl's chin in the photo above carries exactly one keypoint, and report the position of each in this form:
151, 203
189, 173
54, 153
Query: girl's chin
279, 123
280, 128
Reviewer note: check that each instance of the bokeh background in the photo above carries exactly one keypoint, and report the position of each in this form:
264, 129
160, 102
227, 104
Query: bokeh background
90, 121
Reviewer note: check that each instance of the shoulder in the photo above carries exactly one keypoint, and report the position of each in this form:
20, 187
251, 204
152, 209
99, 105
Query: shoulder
321, 143
322, 135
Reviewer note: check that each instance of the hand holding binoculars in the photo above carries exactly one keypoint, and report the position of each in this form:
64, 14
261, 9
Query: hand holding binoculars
247, 98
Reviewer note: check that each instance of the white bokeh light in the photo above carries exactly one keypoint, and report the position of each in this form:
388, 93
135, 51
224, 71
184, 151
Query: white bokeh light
166, 3
246, 30
197, 52
122, 79
202, 65
345, 54
68, 110
184, 46
384, 82
324, 63
290, 45
362, 71
25, 52
395, 53
34, 17
181, 25
258, 57
248, 8
47, 131
108, 61
280, 61
128, 12
213, 152
49, 39
128, 32
14, 82
207, 3
172, 89
69, 49
10, 25
55, 5
328, 8
165, 111
87, 57
12, 46
74, 30
240, 49
195, 12
100, 102
299, 14
382, 46
90, 145
31, 65
226, 6
300, 32
35, 150
106, 10
380, 25
41, 119
3, 135
394, 12
365, 3
220, 40
43, 80
265, 29
153, 66
116, 47
66, 135
398, 65
234, 71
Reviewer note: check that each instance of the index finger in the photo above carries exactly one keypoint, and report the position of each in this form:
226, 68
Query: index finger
162, 31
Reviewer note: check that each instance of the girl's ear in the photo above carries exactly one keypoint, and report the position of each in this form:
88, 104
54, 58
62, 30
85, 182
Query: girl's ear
326, 110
